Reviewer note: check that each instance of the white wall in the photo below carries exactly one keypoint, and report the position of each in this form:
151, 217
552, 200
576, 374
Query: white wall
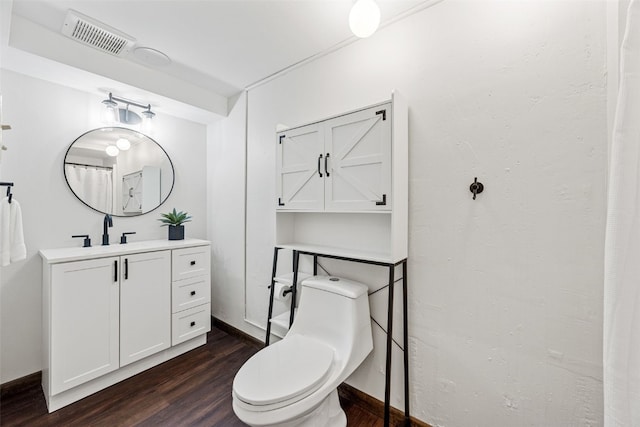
226, 215
45, 120
506, 291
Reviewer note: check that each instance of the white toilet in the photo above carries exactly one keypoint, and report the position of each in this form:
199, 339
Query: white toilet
294, 381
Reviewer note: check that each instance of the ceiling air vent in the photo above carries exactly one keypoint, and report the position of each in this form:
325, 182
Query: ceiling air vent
96, 34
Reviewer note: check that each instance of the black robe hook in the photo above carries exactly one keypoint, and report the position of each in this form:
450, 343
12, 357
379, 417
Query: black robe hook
476, 187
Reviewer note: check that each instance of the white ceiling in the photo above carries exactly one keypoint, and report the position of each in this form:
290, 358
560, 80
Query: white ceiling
217, 48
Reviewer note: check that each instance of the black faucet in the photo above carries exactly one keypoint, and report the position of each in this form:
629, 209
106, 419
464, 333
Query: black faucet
108, 222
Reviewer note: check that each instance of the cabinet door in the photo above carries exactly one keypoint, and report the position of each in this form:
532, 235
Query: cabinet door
84, 321
299, 168
359, 165
145, 305
132, 192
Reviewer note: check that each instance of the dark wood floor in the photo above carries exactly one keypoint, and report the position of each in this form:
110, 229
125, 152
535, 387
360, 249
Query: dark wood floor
191, 390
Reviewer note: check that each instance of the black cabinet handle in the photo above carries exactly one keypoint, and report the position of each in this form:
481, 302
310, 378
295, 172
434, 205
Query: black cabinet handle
193, 263
326, 171
126, 268
319, 160
115, 268
193, 293
193, 324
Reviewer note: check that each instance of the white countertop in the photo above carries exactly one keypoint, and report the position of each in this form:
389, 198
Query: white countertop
53, 256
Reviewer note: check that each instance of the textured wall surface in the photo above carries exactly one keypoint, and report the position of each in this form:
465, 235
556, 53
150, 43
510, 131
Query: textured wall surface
506, 291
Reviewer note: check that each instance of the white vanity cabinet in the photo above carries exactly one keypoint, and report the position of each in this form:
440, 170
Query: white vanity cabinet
338, 165
109, 312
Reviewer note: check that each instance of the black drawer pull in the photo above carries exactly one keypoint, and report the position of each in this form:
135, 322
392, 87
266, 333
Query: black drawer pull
193, 263
193, 293
193, 324
115, 274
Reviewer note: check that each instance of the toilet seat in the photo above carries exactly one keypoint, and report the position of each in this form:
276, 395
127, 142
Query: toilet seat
283, 373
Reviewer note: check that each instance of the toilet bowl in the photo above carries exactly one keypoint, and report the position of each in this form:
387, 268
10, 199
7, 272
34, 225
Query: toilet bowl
294, 381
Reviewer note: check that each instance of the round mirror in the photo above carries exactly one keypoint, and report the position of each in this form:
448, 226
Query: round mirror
118, 171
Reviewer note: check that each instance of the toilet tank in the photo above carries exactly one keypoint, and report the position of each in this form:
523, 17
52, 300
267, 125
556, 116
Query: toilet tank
335, 311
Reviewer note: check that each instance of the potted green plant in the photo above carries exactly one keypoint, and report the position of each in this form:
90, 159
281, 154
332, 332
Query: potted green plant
174, 221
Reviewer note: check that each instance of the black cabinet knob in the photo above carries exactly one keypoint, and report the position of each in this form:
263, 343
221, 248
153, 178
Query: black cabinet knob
193, 263
193, 324
193, 293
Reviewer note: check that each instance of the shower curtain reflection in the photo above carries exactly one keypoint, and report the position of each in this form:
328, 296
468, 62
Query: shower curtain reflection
93, 185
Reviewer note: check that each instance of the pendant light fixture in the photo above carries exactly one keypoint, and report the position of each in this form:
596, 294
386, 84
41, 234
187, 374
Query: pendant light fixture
364, 18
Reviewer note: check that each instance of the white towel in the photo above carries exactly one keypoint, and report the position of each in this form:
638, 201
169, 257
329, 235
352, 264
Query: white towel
12, 248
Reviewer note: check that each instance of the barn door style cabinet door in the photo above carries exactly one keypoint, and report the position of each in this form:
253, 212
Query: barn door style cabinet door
338, 165
141, 190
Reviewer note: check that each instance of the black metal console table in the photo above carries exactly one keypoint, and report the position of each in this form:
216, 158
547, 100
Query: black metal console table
321, 252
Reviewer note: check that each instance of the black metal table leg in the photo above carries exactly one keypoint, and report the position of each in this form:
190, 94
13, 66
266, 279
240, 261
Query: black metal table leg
294, 286
407, 417
271, 294
387, 378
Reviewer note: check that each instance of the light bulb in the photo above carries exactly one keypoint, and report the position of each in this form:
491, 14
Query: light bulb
364, 18
112, 150
147, 120
123, 144
110, 113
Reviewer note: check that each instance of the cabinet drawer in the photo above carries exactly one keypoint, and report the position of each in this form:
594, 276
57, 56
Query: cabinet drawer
190, 262
190, 293
190, 323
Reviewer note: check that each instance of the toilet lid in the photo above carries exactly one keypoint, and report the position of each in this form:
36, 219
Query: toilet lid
292, 368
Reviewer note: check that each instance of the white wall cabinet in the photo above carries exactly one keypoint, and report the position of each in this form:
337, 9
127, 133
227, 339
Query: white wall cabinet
110, 312
338, 165
342, 184
141, 190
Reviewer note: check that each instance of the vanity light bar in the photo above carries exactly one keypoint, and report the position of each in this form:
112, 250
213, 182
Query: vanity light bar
111, 105
128, 102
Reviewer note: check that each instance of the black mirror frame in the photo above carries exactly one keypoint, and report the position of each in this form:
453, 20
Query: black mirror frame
173, 178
